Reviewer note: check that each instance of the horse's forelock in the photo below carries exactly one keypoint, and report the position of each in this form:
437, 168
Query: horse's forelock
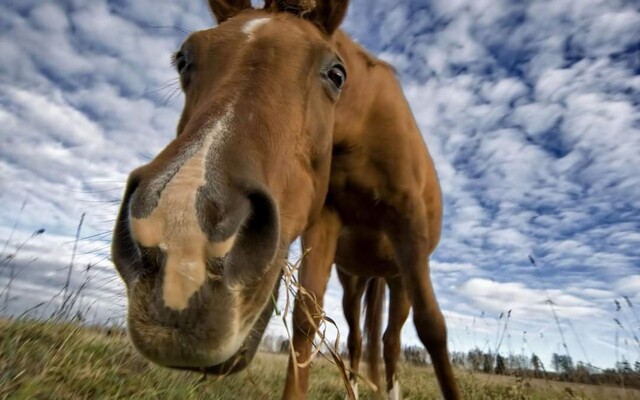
298, 7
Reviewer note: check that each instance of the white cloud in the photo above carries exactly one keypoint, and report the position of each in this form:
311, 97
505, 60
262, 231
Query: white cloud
452, 267
497, 296
629, 285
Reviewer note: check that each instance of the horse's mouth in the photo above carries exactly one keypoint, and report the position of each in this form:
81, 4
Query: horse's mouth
241, 359
236, 363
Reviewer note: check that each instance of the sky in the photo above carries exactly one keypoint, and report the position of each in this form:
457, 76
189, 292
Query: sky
530, 109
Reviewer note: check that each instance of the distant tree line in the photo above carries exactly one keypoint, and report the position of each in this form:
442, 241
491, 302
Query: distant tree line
563, 368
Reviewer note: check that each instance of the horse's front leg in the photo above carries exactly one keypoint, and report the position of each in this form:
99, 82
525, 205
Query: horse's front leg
320, 242
353, 288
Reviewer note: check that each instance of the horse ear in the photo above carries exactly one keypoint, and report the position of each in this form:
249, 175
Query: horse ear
225, 9
326, 14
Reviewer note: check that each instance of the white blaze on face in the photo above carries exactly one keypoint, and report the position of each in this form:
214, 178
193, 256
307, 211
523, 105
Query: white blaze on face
173, 225
251, 26
394, 392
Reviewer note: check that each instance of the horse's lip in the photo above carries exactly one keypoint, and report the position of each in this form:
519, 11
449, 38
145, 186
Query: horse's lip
236, 363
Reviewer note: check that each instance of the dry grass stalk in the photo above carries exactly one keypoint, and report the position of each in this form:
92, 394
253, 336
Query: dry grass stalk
293, 289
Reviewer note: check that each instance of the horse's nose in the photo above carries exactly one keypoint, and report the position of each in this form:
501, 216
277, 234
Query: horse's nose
182, 211
181, 226
184, 222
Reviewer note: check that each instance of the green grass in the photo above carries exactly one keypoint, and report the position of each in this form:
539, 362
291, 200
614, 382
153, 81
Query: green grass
46, 360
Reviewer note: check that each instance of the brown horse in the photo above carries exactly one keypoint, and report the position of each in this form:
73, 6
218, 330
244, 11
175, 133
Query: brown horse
204, 228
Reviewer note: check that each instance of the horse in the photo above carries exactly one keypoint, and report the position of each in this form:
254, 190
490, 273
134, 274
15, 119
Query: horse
274, 142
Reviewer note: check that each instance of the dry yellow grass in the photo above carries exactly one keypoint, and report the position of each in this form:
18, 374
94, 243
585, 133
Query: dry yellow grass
45, 360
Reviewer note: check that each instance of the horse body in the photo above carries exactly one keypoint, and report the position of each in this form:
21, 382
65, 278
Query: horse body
272, 145
382, 217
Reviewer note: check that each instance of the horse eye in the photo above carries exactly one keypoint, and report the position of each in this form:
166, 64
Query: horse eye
337, 75
181, 62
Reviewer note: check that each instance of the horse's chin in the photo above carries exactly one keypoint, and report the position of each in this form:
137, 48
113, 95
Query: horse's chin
247, 351
236, 363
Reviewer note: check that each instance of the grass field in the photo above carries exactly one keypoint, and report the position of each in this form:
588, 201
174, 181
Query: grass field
46, 360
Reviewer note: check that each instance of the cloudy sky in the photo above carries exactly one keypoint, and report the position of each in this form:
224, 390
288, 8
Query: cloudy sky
531, 110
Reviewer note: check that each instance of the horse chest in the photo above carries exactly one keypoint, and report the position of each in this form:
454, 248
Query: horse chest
357, 199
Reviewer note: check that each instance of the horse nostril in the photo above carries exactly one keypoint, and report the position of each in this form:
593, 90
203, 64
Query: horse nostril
124, 252
263, 216
258, 241
221, 216
133, 182
152, 258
